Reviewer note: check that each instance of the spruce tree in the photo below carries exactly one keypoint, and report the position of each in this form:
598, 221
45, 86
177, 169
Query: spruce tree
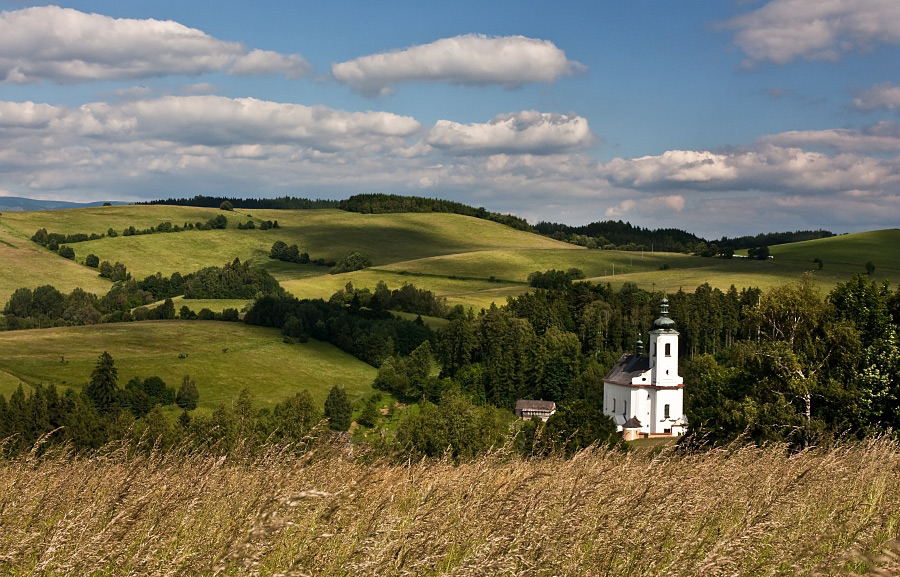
103, 390
338, 409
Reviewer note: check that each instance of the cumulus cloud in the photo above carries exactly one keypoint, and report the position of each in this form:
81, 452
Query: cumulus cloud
185, 145
885, 95
763, 167
470, 60
784, 30
213, 121
528, 131
67, 46
881, 137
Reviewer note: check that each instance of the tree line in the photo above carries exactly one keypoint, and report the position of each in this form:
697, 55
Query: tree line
392, 203
46, 306
281, 203
371, 335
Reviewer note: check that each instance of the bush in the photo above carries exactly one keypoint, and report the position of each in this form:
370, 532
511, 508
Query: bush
92, 261
355, 261
226, 205
67, 252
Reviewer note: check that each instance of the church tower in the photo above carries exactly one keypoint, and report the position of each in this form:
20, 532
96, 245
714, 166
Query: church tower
664, 350
644, 395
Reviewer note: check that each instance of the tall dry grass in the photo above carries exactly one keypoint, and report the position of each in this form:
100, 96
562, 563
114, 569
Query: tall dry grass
735, 511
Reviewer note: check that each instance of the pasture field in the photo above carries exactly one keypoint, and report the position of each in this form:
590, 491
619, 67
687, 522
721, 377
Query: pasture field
328, 233
221, 357
467, 260
730, 511
26, 264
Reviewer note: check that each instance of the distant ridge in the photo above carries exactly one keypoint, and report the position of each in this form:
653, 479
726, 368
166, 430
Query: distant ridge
18, 203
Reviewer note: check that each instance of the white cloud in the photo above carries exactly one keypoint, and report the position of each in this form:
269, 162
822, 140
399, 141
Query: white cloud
885, 95
784, 30
528, 131
181, 146
681, 166
881, 137
471, 60
266, 62
66, 46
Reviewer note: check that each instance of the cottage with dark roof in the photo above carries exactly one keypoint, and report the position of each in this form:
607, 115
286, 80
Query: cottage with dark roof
526, 409
646, 390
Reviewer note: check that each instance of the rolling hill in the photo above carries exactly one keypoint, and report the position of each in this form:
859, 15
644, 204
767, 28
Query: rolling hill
468, 260
222, 358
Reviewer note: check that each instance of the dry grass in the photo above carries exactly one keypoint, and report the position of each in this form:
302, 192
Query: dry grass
737, 511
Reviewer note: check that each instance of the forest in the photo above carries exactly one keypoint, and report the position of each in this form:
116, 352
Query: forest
785, 365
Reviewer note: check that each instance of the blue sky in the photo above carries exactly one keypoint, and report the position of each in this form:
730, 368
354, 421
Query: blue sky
718, 117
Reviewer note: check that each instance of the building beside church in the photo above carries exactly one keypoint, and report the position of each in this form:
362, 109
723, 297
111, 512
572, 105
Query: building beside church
527, 409
644, 395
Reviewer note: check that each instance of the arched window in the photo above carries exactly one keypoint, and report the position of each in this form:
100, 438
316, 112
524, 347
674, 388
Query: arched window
614, 406
666, 411
668, 349
625, 408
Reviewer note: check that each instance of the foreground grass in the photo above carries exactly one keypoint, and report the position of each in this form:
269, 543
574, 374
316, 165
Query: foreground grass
222, 358
737, 511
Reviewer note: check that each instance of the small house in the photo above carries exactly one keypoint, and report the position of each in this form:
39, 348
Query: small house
526, 409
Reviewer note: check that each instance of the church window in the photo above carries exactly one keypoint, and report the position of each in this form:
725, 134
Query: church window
668, 349
614, 405
666, 411
625, 408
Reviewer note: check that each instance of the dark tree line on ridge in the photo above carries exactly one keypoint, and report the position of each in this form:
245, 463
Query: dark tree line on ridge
280, 203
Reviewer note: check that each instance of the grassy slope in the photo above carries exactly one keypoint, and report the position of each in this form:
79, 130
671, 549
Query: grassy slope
26, 264
256, 358
451, 255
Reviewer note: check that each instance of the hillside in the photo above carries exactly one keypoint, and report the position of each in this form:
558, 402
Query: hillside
470, 261
238, 356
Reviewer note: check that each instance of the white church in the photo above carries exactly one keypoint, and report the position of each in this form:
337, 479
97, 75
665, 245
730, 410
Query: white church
644, 395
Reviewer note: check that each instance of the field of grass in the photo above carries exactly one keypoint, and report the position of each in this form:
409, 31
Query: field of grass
222, 358
454, 256
734, 511
848, 254
26, 264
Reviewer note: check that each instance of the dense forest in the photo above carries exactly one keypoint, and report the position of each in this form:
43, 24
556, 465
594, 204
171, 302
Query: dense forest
785, 365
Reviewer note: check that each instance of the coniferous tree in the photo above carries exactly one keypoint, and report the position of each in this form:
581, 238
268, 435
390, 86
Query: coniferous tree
103, 390
338, 409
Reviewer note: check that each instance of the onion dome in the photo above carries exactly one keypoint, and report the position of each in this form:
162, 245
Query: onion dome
664, 323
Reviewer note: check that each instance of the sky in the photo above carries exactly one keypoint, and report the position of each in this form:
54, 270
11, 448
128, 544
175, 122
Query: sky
719, 117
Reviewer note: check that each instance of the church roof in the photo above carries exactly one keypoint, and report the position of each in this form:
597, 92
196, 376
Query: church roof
632, 423
664, 323
628, 367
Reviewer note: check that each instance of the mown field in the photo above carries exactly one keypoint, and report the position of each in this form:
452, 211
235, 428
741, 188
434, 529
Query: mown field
222, 358
732, 511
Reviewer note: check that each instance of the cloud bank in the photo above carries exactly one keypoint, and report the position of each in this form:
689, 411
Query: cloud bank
783, 30
528, 162
470, 60
63, 45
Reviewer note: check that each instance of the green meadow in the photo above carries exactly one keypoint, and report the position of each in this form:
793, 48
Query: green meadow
469, 261
222, 358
